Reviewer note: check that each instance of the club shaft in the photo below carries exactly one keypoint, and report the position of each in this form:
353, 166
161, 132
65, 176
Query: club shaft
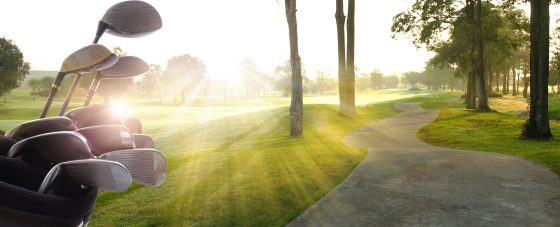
92, 89
52, 94
69, 95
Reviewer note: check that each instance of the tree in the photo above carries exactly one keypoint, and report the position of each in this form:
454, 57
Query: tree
114, 88
187, 74
537, 126
154, 82
482, 96
411, 78
376, 80
391, 81
46, 83
296, 107
323, 82
282, 77
13, 68
427, 20
437, 78
346, 73
362, 82
34, 84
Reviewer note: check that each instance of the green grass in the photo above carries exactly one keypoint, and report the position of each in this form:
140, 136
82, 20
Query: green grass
497, 132
554, 107
231, 161
244, 170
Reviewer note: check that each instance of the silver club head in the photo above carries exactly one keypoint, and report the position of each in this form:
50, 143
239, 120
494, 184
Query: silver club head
49, 149
105, 138
147, 166
129, 19
144, 141
41, 126
102, 174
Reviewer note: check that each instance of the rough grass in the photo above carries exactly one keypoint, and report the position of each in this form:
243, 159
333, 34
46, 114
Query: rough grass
497, 132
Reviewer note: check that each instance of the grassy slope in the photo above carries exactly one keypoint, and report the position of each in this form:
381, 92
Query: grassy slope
244, 170
499, 132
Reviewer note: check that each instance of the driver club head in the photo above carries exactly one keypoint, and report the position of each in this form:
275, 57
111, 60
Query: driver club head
102, 174
147, 166
129, 19
87, 59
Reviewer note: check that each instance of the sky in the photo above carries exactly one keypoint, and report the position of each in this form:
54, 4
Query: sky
220, 32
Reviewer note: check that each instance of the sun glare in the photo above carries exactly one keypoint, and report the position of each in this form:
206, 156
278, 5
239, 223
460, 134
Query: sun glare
119, 108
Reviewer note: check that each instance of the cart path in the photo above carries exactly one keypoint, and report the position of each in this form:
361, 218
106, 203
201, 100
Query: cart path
405, 182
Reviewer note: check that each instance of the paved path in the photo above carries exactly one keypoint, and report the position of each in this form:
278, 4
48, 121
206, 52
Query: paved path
405, 182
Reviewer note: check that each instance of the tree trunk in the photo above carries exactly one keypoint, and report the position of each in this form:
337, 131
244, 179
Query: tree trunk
341, 43
537, 126
296, 107
514, 90
504, 83
525, 84
490, 80
482, 92
349, 106
497, 82
470, 98
518, 74
508, 79
471, 86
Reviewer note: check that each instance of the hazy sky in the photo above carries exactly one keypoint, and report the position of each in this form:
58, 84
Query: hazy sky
220, 32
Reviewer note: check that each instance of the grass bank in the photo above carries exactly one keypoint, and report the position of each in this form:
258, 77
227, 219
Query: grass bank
459, 128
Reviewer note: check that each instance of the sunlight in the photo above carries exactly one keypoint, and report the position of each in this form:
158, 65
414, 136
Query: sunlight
120, 108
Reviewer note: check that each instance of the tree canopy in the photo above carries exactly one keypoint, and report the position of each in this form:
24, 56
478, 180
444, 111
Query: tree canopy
13, 68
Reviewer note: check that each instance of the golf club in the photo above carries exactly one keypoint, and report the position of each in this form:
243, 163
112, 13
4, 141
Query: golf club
102, 115
47, 150
105, 138
41, 126
127, 66
144, 141
133, 124
20, 206
129, 19
147, 166
124, 19
102, 174
89, 58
